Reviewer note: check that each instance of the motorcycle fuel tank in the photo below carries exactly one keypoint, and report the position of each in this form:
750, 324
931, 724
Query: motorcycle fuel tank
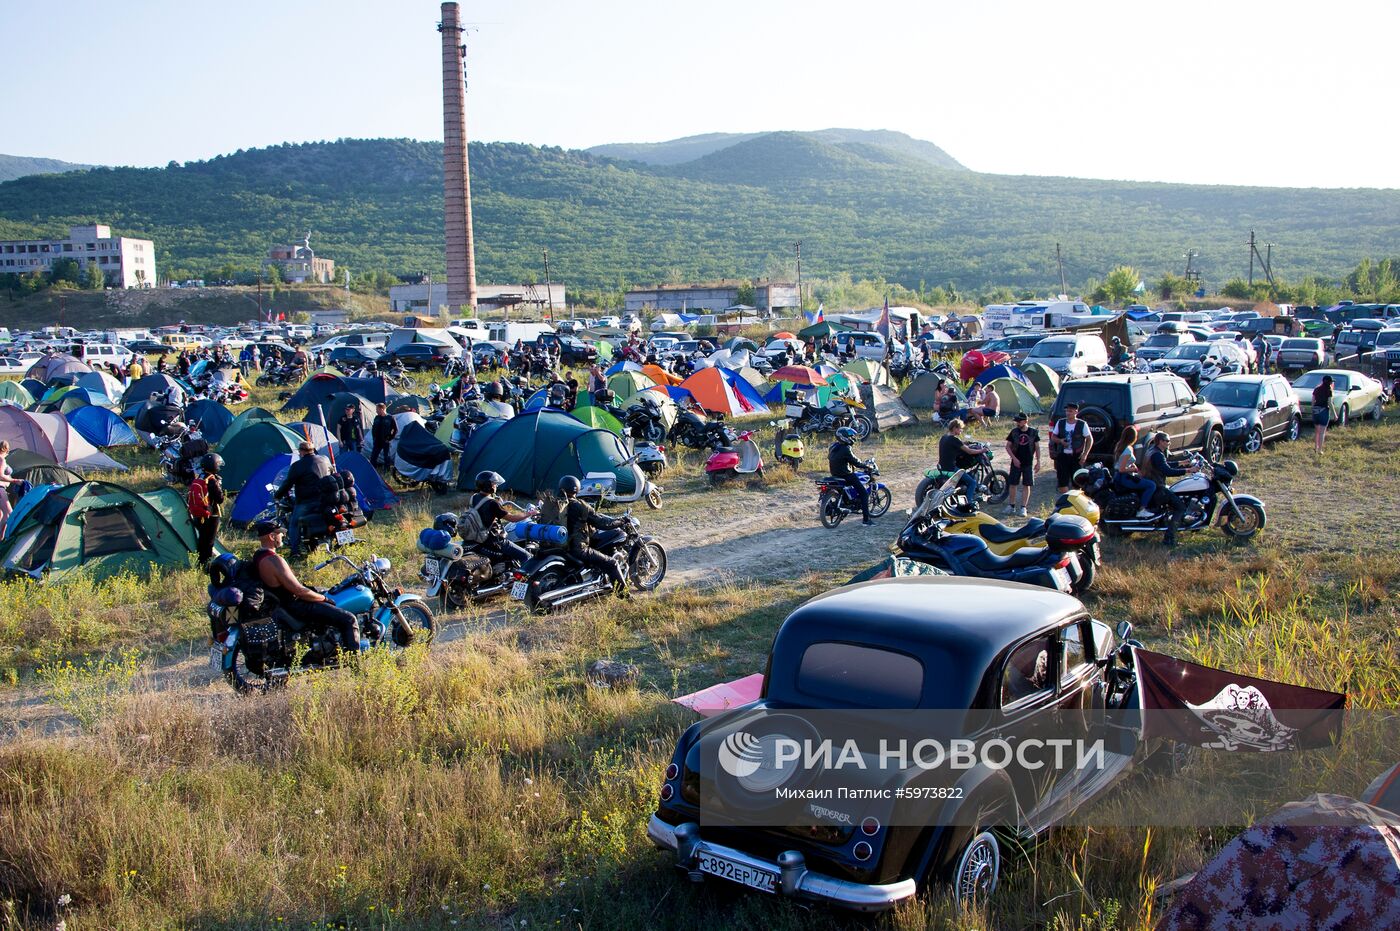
357, 599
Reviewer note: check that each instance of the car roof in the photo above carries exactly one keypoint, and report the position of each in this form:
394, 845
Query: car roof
1243, 379
970, 620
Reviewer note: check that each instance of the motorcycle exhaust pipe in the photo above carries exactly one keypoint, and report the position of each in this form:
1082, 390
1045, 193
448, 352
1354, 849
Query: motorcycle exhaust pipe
569, 590
593, 589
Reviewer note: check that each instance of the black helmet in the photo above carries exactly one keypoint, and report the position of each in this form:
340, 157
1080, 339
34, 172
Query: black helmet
492, 391
487, 482
446, 522
604, 396
569, 486
846, 435
211, 464
1232, 467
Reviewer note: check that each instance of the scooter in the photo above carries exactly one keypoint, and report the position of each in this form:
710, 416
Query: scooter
728, 462
791, 449
1003, 540
603, 486
925, 540
651, 458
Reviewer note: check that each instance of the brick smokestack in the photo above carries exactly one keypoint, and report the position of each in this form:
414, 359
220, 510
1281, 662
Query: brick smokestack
456, 173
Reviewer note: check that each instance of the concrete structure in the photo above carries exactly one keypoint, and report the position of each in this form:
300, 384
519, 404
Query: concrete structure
298, 263
127, 262
536, 298
710, 298
456, 172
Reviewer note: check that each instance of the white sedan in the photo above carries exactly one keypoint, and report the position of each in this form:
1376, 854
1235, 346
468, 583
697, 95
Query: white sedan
9, 365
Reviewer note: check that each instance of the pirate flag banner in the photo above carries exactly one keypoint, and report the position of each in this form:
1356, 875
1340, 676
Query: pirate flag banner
1204, 707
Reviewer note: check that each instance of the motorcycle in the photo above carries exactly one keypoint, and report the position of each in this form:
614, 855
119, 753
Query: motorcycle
958, 517
1054, 565
839, 412
993, 485
278, 374
690, 431
467, 420
258, 647
740, 458
553, 579
178, 467
643, 421
333, 526
836, 500
1206, 494
460, 573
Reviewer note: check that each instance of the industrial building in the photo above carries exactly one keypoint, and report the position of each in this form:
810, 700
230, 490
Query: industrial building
432, 298
710, 298
127, 262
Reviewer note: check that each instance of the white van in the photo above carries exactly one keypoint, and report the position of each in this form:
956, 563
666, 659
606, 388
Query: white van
477, 328
510, 332
862, 344
1070, 353
107, 354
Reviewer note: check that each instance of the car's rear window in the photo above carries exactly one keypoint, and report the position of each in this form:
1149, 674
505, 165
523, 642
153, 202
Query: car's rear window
853, 674
1089, 395
1309, 344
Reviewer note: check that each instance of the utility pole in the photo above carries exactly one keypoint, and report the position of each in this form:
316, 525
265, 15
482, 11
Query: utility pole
1269, 260
1060, 260
798, 246
1252, 250
260, 278
1267, 265
548, 288
430, 294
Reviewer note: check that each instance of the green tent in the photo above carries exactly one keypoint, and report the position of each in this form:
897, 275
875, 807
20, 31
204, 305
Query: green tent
254, 445
605, 349
820, 330
101, 527
16, 393
597, 417
626, 384
1015, 397
820, 394
1042, 378
535, 449
246, 419
867, 370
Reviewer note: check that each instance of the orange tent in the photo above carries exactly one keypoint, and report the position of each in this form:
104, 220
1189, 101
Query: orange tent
659, 375
784, 335
721, 392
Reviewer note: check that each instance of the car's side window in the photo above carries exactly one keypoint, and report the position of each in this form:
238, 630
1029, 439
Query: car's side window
1165, 397
1072, 649
1184, 396
1027, 671
1143, 400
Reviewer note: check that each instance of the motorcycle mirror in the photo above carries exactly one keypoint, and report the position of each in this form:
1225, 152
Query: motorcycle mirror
1124, 630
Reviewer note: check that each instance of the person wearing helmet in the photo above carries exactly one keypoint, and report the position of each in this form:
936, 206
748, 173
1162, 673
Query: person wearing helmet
304, 482
1116, 354
1159, 468
205, 501
579, 517
842, 463
494, 513
305, 604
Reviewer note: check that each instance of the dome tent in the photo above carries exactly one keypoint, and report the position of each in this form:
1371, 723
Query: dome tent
251, 447
373, 494
101, 427
246, 419
212, 417
142, 388
1015, 397
322, 385
535, 449
101, 527
626, 384
59, 366
1001, 370
51, 437
1044, 381
16, 393
720, 391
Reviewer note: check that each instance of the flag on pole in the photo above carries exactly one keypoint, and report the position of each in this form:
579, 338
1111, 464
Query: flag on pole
818, 317
883, 325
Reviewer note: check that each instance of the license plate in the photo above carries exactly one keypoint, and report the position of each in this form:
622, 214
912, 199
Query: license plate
517, 591
344, 536
216, 659
430, 568
741, 873
1061, 577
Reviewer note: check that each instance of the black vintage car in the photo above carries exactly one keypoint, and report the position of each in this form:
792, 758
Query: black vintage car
999, 659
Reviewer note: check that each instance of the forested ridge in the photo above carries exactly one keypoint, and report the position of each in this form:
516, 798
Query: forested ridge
860, 207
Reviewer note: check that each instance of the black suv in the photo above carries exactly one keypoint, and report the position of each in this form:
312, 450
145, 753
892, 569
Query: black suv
1151, 402
418, 356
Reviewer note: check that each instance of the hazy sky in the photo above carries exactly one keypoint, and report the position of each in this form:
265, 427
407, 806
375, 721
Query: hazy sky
1229, 92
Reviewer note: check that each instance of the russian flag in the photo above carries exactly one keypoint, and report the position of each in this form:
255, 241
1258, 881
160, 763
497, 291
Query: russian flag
818, 317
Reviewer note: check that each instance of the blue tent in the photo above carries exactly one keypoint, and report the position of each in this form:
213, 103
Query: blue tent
742, 386
100, 427
678, 394
213, 418
29, 502
622, 365
1003, 371
374, 494
370, 489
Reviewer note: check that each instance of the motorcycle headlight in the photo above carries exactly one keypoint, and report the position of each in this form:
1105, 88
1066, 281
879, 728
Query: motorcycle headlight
1236, 424
381, 565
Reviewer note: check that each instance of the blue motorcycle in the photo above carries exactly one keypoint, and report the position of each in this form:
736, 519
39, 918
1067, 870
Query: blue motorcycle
257, 647
836, 500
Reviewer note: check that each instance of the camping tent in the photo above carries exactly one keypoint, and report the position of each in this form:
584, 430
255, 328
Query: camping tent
15, 393
373, 494
251, 447
626, 384
659, 375
776, 394
155, 383
152, 418
101, 383
920, 392
58, 366
1043, 379
753, 376
333, 408
409, 402
884, 407
1015, 397
101, 427
622, 365
591, 416
323, 384
1325, 862
535, 450
50, 436
39, 471
992, 373
246, 419
820, 330
101, 527
213, 418
64, 398
720, 391
867, 370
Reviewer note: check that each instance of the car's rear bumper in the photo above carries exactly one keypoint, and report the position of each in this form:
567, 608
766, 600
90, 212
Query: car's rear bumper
794, 879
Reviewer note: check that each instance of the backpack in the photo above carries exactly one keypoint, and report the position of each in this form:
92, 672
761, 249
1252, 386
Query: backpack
470, 527
198, 499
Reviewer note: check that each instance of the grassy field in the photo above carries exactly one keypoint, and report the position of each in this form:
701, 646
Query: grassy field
485, 784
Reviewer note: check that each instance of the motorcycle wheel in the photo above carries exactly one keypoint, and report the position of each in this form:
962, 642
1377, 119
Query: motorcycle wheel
880, 500
1089, 570
649, 568
830, 510
654, 498
246, 679
540, 585
998, 486
421, 625
921, 492
655, 433
718, 478
807, 426
263, 381
861, 424
1252, 523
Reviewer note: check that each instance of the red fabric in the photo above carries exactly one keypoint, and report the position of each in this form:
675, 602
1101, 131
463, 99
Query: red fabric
199, 499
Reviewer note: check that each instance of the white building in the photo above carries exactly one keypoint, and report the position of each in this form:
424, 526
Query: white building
535, 298
128, 263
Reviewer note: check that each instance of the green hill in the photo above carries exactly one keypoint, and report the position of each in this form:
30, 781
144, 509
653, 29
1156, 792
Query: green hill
690, 148
18, 166
858, 206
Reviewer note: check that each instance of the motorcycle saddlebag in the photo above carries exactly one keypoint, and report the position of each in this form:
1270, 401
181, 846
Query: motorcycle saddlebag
1121, 507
